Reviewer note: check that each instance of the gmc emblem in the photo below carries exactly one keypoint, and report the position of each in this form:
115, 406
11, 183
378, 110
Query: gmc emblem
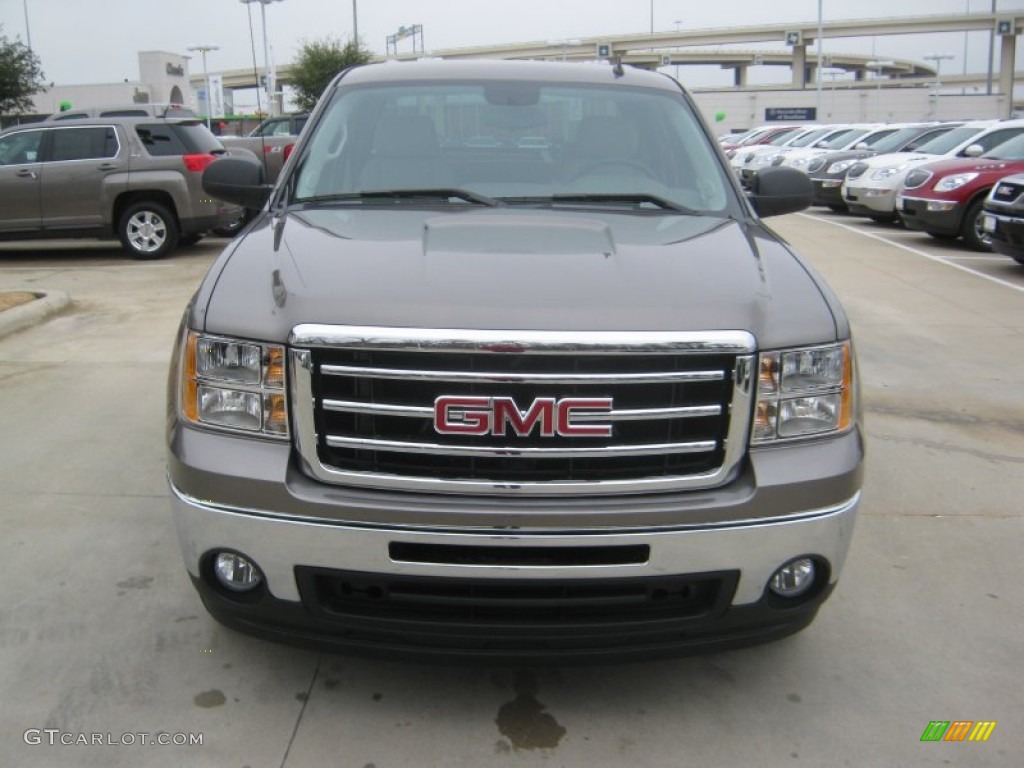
493, 415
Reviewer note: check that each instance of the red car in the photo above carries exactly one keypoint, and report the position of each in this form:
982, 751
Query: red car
944, 198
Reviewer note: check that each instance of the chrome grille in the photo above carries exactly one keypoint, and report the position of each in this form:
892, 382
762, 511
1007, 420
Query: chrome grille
364, 408
1007, 192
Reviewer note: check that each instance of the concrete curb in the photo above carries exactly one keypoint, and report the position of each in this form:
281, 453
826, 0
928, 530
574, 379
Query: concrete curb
17, 318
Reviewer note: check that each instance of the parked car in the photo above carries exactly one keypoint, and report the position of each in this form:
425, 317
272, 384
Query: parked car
827, 172
272, 141
945, 198
749, 160
871, 185
495, 403
761, 136
162, 110
853, 136
1004, 217
137, 179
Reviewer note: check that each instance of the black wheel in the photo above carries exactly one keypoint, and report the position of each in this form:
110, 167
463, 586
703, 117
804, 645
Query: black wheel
944, 235
232, 229
148, 230
188, 240
972, 229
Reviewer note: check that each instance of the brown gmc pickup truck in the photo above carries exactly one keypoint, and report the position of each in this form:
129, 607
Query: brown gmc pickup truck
564, 397
272, 140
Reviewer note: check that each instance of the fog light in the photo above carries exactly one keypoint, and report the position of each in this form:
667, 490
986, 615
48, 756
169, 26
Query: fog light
793, 579
237, 573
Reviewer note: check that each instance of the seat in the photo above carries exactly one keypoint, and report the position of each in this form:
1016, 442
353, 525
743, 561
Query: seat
405, 155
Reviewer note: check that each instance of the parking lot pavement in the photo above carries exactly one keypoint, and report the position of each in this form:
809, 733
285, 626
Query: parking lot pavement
103, 635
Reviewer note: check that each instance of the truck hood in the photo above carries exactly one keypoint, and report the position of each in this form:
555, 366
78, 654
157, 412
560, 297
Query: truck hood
514, 269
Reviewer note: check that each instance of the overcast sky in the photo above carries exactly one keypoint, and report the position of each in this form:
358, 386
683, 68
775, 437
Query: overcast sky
96, 41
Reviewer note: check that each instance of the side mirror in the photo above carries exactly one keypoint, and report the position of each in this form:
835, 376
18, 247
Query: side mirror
974, 150
776, 191
861, 145
239, 179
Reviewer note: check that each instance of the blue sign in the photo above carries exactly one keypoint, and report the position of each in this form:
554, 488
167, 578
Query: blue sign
789, 114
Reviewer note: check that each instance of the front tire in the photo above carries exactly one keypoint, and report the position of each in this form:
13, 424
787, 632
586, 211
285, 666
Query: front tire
148, 230
972, 231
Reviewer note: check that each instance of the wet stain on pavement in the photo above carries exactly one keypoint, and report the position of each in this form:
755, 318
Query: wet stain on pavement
136, 582
523, 720
302, 696
330, 684
209, 699
502, 747
378, 696
793, 697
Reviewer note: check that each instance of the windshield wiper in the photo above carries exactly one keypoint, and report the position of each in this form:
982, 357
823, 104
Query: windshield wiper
444, 193
613, 198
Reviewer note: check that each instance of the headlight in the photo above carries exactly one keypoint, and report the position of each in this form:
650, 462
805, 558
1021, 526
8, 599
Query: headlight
234, 385
816, 164
949, 183
804, 393
839, 167
797, 161
888, 172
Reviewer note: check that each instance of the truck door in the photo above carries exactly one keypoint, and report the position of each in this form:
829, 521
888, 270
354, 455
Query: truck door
20, 180
78, 161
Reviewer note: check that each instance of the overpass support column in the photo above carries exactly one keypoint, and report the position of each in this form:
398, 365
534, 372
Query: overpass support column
1008, 51
739, 76
799, 66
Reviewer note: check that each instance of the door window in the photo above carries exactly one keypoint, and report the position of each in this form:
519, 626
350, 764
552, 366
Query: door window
20, 148
85, 143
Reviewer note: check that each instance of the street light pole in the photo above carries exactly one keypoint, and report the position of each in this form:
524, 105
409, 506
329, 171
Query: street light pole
204, 49
821, 34
28, 32
355, 24
938, 58
879, 66
266, 50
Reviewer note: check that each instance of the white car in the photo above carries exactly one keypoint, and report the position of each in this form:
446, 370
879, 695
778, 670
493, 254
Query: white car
748, 161
871, 185
853, 136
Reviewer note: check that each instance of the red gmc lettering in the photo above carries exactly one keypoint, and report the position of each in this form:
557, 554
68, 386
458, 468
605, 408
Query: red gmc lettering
462, 415
493, 415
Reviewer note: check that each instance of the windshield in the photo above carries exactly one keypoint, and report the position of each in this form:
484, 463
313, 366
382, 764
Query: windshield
783, 137
1008, 150
842, 140
947, 142
874, 137
511, 143
896, 141
810, 138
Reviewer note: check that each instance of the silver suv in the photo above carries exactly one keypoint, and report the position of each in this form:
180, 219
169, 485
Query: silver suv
138, 179
445, 396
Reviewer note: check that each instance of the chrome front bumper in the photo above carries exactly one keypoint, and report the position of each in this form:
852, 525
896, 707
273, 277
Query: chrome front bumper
278, 545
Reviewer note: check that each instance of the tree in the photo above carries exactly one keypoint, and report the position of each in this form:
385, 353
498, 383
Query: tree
317, 64
20, 76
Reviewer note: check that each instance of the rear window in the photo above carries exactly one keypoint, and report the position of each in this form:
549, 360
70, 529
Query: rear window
168, 139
